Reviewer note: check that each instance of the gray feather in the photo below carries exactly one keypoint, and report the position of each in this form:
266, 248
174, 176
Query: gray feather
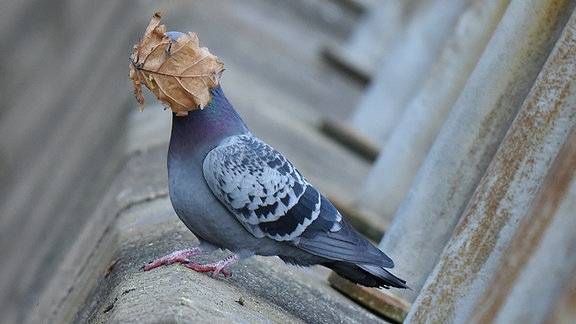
260, 187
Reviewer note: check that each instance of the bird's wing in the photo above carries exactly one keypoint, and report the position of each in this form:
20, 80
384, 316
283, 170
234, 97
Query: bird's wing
262, 188
272, 199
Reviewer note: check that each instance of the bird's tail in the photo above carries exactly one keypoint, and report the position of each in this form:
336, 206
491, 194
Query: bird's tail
366, 275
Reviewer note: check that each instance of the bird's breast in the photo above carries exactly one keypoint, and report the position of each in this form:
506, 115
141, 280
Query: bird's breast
202, 212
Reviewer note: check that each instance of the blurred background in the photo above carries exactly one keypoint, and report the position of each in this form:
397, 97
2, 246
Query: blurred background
445, 124
67, 106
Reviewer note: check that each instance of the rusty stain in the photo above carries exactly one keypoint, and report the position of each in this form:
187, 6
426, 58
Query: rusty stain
564, 309
529, 235
542, 111
110, 267
521, 152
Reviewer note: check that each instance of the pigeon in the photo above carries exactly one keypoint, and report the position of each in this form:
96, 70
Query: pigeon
237, 193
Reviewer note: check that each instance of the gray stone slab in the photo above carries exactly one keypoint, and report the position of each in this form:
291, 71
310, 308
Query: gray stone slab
101, 280
65, 100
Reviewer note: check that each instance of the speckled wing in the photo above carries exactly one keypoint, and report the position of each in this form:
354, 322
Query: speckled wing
263, 189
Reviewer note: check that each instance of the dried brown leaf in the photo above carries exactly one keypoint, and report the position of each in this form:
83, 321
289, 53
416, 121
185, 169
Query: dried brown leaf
180, 73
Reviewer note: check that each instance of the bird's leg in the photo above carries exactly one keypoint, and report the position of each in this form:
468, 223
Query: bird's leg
181, 256
216, 267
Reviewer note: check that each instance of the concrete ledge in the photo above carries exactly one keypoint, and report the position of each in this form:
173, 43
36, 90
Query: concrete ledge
335, 55
101, 279
350, 138
377, 300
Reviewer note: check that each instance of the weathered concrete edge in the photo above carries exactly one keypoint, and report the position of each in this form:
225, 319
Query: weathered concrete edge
76, 293
54, 303
379, 301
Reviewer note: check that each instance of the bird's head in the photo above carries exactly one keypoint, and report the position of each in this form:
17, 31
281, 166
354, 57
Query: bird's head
174, 67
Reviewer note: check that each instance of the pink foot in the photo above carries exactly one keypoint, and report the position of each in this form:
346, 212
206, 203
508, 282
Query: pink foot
177, 256
216, 267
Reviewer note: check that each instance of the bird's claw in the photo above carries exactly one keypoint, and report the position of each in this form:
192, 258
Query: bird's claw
215, 268
161, 262
183, 257
178, 256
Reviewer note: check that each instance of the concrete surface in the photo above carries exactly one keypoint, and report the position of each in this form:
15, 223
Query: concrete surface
101, 280
67, 125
